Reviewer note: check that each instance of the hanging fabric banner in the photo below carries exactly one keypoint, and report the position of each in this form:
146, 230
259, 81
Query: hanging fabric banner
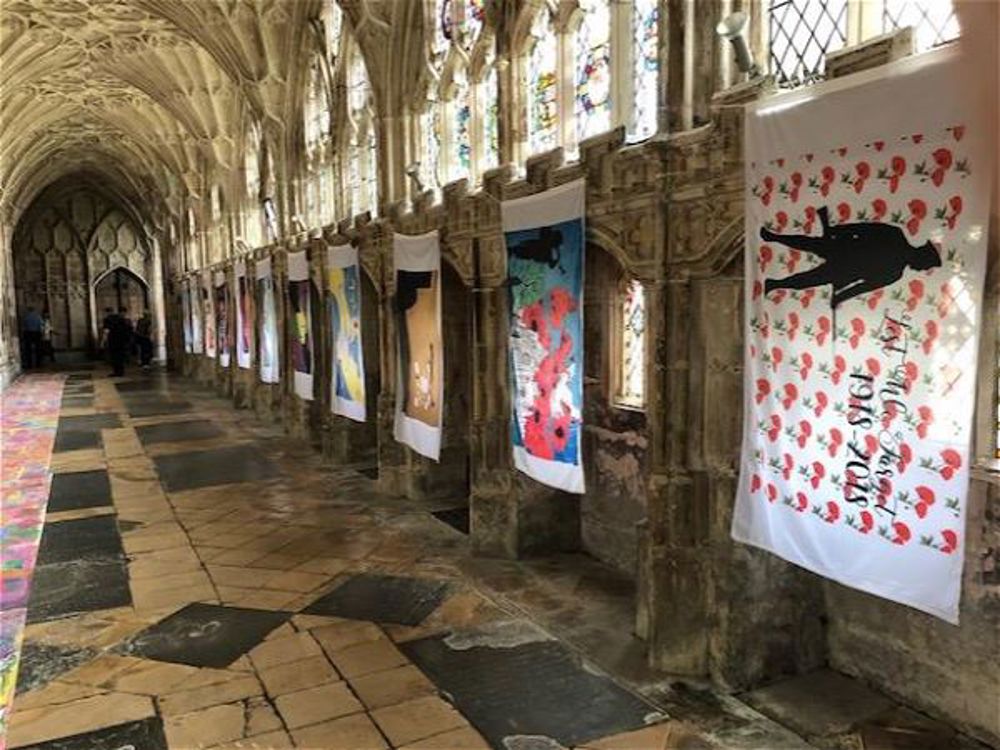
222, 318
300, 323
194, 304
420, 349
268, 339
545, 242
244, 317
186, 315
347, 385
865, 263
208, 311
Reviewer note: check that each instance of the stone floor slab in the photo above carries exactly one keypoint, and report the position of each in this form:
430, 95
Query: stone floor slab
71, 541
205, 635
194, 469
198, 429
517, 682
71, 588
145, 734
819, 704
381, 598
81, 489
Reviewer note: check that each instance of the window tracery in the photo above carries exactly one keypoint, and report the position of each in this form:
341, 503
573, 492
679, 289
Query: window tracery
361, 190
645, 67
252, 218
592, 96
542, 84
631, 356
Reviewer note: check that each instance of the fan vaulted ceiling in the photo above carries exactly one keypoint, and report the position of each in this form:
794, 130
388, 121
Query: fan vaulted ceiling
150, 95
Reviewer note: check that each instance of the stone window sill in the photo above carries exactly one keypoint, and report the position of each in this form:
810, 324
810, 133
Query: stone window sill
987, 470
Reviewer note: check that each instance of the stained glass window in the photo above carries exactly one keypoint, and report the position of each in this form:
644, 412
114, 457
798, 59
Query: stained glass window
645, 67
490, 107
353, 174
442, 28
317, 111
632, 379
371, 176
473, 20
543, 100
461, 135
432, 145
362, 167
593, 69
934, 21
324, 201
334, 25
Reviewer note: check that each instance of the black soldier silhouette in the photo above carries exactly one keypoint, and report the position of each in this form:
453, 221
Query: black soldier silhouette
857, 258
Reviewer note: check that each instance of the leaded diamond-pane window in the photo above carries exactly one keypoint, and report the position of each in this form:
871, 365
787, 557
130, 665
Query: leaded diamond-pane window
802, 32
934, 21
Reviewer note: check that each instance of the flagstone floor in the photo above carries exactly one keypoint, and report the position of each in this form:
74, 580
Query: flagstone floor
205, 581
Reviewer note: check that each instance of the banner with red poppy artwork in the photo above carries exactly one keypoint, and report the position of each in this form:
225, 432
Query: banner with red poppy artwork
865, 265
544, 235
208, 313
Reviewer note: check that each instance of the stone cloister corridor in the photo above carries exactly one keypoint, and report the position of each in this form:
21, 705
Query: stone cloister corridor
510, 374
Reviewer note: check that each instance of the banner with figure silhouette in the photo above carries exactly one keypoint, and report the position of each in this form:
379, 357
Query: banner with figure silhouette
347, 386
222, 317
244, 317
865, 264
419, 342
267, 354
545, 245
300, 323
208, 312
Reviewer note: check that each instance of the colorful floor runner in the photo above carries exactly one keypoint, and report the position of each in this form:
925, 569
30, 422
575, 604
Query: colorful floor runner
29, 413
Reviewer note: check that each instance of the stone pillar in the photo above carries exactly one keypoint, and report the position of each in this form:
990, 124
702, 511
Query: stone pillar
159, 304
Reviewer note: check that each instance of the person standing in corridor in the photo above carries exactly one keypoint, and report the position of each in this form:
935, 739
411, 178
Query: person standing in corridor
118, 334
31, 337
144, 339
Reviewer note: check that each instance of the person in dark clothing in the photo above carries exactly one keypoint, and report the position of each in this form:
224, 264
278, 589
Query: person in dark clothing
857, 258
31, 337
118, 334
144, 339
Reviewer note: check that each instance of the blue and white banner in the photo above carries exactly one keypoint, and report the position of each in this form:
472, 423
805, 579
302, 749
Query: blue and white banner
545, 252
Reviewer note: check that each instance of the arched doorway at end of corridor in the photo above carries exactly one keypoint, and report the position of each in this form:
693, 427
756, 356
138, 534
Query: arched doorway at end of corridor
116, 289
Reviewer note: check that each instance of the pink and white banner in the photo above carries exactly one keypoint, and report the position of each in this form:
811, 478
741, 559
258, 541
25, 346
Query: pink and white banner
865, 262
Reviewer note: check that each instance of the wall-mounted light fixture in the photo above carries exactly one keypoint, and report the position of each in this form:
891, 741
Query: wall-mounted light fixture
413, 172
734, 28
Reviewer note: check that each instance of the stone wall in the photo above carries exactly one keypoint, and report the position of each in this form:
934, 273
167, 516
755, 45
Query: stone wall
661, 482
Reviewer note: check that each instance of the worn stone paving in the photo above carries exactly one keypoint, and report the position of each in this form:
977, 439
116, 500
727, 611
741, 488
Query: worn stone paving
275, 601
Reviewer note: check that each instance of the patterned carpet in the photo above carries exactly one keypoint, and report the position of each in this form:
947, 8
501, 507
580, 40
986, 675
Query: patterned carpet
29, 412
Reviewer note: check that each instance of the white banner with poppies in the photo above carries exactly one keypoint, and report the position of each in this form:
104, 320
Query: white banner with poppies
347, 385
208, 311
244, 316
267, 355
544, 235
419, 342
300, 324
222, 317
865, 264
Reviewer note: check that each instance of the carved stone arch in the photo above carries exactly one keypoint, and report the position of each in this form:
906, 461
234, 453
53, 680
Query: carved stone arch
608, 239
721, 253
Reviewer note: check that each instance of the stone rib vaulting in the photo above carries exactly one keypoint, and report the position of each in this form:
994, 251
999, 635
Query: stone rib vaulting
202, 553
